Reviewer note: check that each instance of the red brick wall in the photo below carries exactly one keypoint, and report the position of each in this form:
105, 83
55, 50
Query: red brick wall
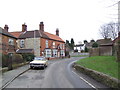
6, 48
50, 44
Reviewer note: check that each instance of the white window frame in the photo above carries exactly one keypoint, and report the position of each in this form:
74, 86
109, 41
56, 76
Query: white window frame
53, 44
63, 46
22, 43
48, 52
46, 43
62, 53
55, 53
11, 41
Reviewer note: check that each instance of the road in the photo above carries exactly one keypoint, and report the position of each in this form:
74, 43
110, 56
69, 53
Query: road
58, 74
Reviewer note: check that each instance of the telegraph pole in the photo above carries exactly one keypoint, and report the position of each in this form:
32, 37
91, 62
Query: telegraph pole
118, 46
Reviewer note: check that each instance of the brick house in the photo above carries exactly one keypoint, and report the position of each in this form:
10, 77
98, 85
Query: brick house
41, 42
8, 43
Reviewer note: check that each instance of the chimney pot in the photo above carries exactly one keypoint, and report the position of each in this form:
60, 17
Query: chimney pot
24, 27
41, 26
6, 27
57, 32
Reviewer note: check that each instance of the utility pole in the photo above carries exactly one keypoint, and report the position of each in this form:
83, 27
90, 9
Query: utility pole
118, 45
119, 15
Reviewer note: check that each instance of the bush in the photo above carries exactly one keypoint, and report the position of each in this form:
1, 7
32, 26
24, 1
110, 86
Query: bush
66, 53
28, 56
95, 45
17, 58
86, 49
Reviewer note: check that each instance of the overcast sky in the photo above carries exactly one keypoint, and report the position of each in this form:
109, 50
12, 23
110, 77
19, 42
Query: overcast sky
78, 19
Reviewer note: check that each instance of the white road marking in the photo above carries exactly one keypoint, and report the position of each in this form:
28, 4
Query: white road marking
85, 81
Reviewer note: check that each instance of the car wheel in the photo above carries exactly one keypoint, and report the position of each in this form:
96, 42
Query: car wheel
31, 67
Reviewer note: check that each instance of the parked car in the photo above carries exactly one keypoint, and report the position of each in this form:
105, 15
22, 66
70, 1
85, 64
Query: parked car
39, 62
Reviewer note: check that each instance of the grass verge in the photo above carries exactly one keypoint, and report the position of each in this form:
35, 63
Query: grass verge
104, 64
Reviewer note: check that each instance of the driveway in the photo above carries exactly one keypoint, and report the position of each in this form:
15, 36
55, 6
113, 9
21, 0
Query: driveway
58, 74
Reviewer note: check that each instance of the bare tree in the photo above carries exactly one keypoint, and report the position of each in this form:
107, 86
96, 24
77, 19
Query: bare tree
109, 30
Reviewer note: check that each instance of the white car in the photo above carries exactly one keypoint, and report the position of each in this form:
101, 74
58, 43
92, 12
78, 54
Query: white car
39, 62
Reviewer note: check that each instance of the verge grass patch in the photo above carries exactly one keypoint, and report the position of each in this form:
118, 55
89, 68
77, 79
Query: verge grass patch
104, 64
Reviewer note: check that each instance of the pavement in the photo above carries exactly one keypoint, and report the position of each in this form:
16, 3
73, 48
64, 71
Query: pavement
9, 76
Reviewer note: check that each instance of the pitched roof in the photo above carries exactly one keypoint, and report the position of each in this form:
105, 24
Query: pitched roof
32, 34
4, 32
38, 33
24, 51
16, 34
54, 37
104, 41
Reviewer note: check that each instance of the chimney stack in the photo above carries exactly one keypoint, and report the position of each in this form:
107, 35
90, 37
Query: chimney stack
57, 32
41, 26
6, 28
24, 27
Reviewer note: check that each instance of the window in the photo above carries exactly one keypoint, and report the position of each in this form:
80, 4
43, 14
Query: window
46, 43
62, 53
60, 46
63, 46
22, 43
54, 53
53, 44
11, 41
48, 52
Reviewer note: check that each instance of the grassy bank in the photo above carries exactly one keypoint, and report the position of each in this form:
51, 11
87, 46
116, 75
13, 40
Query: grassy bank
104, 64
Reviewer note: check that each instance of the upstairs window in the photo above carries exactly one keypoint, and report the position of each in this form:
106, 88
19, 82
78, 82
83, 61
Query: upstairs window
22, 43
63, 46
46, 43
53, 44
11, 41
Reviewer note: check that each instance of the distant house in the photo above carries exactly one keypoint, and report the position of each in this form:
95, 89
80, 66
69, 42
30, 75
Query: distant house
41, 43
89, 45
104, 41
105, 48
8, 43
79, 47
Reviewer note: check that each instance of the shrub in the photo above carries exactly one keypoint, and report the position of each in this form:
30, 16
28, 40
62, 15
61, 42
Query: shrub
95, 45
17, 58
66, 53
86, 49
28, 56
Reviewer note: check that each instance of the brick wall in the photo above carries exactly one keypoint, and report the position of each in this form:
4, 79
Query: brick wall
50, 44
6, 48
31, 43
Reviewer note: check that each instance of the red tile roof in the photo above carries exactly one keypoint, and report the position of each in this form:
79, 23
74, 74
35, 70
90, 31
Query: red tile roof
16, 34
54, 37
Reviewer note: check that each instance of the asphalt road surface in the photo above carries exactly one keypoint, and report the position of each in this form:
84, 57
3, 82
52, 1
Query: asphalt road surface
58, 74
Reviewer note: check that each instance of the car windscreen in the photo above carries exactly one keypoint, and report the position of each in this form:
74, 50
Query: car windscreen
39, 59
